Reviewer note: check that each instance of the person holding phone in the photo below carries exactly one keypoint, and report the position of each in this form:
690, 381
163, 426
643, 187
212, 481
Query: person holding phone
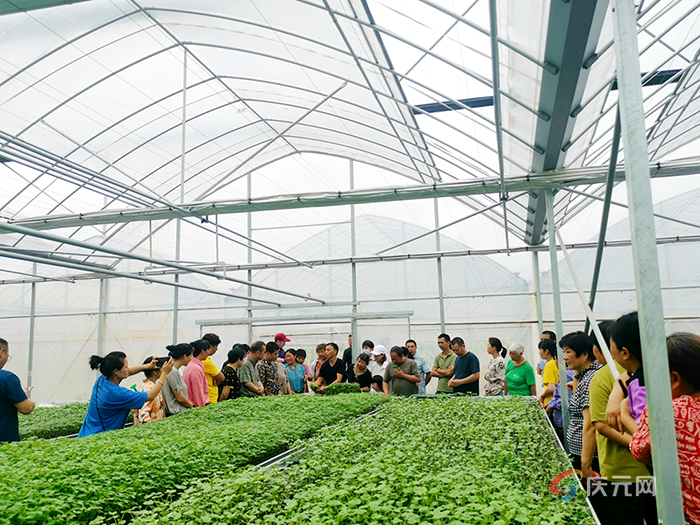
110, 404
402, 376
12, 398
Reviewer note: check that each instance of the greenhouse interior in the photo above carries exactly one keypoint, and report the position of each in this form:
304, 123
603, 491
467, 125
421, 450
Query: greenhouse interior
183, 177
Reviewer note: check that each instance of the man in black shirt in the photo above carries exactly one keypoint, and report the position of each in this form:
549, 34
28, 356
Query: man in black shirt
347, 358
466, 377
333, 370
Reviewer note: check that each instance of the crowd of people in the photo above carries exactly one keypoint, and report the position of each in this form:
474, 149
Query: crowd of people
607, 438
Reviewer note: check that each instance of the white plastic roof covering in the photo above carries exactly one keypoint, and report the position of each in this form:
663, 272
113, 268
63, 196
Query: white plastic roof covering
91, 94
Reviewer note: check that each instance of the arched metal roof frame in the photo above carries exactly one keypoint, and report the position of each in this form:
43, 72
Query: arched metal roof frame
232, 48
426, 52
530, 146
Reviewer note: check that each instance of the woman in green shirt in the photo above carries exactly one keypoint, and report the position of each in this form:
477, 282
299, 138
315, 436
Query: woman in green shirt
520, 377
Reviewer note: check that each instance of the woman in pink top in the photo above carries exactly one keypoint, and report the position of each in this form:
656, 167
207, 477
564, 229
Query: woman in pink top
193, 376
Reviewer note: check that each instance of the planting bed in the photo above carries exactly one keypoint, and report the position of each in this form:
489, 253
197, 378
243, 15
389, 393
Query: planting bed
435, 461
108, 475
51, 422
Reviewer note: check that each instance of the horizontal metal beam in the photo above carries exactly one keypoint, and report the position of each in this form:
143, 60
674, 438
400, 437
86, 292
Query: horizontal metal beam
366, 259
480, 186
8, 8
656, 79
14, 228
448, 105
114, 273
312, 317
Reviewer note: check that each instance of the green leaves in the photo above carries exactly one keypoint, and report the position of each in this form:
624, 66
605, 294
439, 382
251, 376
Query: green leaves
406, 464
50, 422
107, 477
341, 388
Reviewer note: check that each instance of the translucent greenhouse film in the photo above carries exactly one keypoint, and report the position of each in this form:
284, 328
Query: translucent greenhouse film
381, 169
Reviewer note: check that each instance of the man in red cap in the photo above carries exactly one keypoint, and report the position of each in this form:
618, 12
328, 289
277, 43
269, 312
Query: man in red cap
281, 340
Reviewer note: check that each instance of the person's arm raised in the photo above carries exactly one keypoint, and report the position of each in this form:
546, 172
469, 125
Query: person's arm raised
167, 368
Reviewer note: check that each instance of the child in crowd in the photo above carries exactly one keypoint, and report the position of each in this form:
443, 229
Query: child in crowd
684, 367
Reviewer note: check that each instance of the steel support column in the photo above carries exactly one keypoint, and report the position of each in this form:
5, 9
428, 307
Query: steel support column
609, 185
32, 321
178, 225
556, 300
538, 290
441, 294
646, 266
101, 317
353, 322
249, 186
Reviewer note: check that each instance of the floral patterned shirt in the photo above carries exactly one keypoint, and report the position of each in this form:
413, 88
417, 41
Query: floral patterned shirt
495, 377
268, 376
151, 410
686, 414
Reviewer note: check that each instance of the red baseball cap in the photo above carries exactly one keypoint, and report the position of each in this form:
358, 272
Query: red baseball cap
282, 337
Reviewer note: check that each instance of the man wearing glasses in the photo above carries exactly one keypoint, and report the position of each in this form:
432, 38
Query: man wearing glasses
12, 398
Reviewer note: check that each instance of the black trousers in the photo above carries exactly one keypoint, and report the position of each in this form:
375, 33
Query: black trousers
617, 504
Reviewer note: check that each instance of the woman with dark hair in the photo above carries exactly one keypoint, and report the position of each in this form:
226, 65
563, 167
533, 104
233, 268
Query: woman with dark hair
212, 374
360, 373
175, 389
193, 376
495, 375
151, 410
377, 384
295, 372
684, 367
110, 404
230, 387
577, 352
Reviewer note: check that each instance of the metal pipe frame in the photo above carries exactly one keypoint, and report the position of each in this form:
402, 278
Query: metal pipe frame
113, 273
315, 317
101, 320
538, 290
493, 36
495, 65
220, 183
621, 205
441, 293
609, 185
127, 255
353, 323
32, 328
556, 300
370, 301
439, 228
646, 267
661, 241
552, 179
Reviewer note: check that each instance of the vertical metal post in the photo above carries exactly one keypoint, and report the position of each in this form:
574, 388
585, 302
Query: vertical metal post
609, 185
441, 295
538, 290
353, 322
32, 319
496, 81
178, 226
250, 260
556, 299
646, 266
101, 317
